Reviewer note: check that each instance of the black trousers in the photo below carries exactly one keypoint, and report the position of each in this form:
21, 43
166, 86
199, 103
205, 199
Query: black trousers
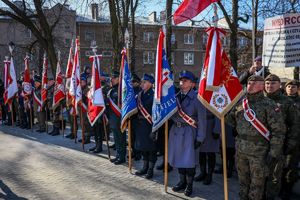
149, 156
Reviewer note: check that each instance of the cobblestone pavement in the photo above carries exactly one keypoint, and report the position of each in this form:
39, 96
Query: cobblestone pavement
39, 166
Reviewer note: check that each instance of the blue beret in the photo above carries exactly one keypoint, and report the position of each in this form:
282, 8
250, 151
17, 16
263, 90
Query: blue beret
187, 74
149, 78
83, 77
258, 58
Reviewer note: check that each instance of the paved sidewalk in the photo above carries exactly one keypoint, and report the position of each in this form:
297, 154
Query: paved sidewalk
39, 166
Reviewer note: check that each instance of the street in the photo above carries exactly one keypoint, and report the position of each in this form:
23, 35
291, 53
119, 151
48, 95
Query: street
39, 166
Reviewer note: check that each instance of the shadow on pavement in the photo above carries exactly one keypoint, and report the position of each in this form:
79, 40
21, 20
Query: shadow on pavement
7, 194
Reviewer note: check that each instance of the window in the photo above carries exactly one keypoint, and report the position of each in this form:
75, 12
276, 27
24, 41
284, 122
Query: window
148, 37
204, 39
148, 57
107, 36
242, 42
172, 58
188, 58
173, 38
188, 39
225, 41
106, 53
89, 35
28, 33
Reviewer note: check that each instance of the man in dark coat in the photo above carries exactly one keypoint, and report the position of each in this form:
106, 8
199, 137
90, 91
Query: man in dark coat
115, 120
187, 133
255, 69
145, 141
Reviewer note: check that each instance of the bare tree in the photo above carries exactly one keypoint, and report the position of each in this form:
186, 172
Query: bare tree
37, 22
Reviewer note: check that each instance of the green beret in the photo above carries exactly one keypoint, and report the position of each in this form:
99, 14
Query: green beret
272, 77
292, 82
255, 78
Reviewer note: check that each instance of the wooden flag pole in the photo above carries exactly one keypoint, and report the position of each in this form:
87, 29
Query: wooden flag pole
106, 138
82, 130
46, 117
62, 121
30, 117
129, 146
224, 158
74, 127
166, 157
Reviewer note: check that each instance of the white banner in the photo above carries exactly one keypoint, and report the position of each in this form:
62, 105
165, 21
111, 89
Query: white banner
281, 47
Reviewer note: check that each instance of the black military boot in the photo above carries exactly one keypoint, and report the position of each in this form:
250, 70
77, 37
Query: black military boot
55, 131
182, 181
144, 170
189, 186
98, 148
211, 166
202, 162
149, 174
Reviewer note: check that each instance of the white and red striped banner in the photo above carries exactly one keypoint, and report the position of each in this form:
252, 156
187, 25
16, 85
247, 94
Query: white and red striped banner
59, 87
10, 81
44, 81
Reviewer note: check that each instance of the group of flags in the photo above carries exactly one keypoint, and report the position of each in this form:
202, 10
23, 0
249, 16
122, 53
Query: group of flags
218, 90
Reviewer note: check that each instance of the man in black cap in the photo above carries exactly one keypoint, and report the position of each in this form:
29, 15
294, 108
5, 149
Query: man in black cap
291, 120
145, 140
114, 114
38, 108
255, 69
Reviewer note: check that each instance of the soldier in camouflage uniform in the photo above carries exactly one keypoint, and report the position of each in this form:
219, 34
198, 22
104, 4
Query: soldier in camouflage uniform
290, 176
291, 120
254, 152
38, 109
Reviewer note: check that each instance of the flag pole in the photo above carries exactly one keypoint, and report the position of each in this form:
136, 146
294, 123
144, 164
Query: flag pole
126, 38
106, 138
62, 121
30, 117
224, 158
166, 157
82, 130
74, 126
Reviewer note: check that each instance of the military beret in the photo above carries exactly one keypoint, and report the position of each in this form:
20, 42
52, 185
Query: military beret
148, 77
272, 77
187, 74
83, 77
115, 74
135, 78
292, 82
258, 58
37, 78
255, 78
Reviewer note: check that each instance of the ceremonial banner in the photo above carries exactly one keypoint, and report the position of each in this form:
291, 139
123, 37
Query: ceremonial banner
44, 81
75, 88
128, 101
68, 75
189, 9
59, 87
96, 105
220, 100
164, 103
27, 87
10, 81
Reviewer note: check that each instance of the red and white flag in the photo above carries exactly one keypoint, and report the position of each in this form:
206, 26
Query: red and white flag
96, 105
68, 75
27, 87
59, 87
10, 81
189, 9
227, 88
44, 81
75, 88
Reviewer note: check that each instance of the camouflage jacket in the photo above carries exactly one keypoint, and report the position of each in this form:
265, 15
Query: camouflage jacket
291, 118
249, 140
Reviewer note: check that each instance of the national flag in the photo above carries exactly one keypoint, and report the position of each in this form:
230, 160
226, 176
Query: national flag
27, 87
59, 87
189, 9
229, 90
127, 95
68, 75
164, 103
44, 81
75, 87
10, 81
96, 105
